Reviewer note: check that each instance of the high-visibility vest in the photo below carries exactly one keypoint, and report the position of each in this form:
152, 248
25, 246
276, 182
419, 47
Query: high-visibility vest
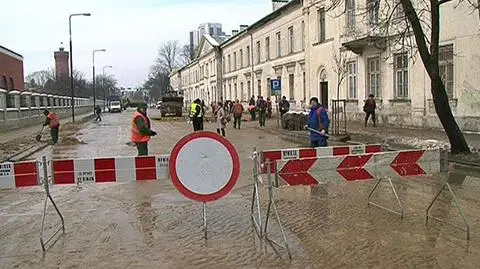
137, 137
193, 110
54, 122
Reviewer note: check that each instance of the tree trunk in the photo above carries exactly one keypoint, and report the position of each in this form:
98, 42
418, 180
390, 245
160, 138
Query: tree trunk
458, 144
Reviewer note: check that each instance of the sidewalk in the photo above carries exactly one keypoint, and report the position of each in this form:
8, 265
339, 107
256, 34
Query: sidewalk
33, 130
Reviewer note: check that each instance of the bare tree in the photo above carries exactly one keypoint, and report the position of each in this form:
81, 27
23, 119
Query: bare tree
168, 57
339, 67
407, 26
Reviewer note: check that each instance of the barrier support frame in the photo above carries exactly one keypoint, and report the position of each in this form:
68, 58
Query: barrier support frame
204, 211
392, 187
257, 220
466, 227
271, 205
48, 197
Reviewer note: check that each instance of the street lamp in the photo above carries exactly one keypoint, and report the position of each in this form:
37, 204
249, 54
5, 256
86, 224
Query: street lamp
71, 59
94, 85
103, 86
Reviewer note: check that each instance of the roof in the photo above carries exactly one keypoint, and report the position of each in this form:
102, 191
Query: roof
264, 20
11, 53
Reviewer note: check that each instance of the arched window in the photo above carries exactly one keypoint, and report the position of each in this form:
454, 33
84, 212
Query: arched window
4, 83
12, 84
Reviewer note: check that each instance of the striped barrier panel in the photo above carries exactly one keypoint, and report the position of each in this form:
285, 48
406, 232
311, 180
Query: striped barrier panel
97, 170
299, 153
313, 171
17, 175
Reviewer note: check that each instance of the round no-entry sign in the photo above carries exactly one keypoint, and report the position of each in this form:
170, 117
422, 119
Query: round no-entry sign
204, 166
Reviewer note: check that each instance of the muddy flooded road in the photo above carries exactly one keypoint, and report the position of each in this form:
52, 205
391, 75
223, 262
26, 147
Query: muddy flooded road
150, 225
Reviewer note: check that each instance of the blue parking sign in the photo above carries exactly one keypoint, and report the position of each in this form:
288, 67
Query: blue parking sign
276, 86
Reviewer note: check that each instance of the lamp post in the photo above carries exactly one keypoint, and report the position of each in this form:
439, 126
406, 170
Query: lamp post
71, 59
103, 86
94, 85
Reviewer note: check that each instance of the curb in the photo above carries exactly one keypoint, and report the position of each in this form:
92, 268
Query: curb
24, 154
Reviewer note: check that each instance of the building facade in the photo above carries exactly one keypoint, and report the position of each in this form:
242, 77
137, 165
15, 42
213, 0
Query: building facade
11, 70
342, 53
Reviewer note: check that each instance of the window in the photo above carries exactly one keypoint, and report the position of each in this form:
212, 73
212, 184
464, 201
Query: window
304, 87
229, 64
206, 70
235, 61
248, 55
241, 58
249, 88
219, 31
210, 31
321, 25
242, 92
4, 83
258, 51
291, 87
259, 87
350, 12
446, 68
303, 35
224, 64
279, 45
373, 9
12, 84
291, 41
235, 90
373, 76
267, 48
401, 75
352, 80
230, 91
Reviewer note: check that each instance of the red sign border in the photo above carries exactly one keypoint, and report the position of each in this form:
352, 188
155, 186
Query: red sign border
201, 197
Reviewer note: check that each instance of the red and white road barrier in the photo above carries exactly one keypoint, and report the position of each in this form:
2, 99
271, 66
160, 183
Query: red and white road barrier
118, 169
16, 175
313, 171
97, 170
300, 153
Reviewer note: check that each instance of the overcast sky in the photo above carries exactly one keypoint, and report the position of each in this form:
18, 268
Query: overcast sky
130, 30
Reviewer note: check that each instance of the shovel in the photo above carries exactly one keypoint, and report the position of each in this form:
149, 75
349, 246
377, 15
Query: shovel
39, 136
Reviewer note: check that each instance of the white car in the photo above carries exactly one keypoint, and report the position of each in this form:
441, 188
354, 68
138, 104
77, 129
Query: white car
115, 106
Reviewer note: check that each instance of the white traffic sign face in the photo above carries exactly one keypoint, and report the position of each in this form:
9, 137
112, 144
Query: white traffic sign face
204, 166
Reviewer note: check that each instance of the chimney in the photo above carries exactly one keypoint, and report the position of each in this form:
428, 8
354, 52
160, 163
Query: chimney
234, 32
61, 64
277, 4
243, 27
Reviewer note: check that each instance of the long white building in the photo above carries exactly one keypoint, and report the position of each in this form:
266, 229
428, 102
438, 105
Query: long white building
342, 53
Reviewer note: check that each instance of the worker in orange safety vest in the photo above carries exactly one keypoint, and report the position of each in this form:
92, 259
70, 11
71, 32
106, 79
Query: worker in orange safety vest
141, 131
53, 123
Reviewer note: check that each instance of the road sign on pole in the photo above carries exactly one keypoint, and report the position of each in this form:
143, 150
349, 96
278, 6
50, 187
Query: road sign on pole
204, 167
276, 86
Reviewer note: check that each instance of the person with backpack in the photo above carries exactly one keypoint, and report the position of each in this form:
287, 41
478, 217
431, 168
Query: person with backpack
251, 108
237, 114
284, 106
318, 121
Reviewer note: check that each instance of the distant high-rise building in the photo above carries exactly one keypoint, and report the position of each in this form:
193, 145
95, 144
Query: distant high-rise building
213, 29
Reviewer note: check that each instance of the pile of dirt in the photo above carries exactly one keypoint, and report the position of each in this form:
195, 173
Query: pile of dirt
71, 140
294, 121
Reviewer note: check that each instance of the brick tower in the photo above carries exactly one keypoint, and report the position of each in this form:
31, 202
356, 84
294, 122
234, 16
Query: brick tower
61, 64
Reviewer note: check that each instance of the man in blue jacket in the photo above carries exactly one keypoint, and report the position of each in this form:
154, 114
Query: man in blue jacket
318, 120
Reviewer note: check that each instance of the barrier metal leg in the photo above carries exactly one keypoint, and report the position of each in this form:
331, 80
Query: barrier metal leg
401, 213
271, 205
466, 229
47, 198
255, 196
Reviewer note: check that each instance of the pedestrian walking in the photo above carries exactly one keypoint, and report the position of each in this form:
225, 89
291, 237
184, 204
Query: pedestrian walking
284, 106
141, 131
221, 119
262, 110
53, 123
98, 112
237, 114
196, 115
369, 109
318, 120
269, 108
251, 108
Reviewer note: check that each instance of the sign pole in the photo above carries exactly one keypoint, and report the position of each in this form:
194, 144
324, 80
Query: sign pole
278, 108
205, 219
